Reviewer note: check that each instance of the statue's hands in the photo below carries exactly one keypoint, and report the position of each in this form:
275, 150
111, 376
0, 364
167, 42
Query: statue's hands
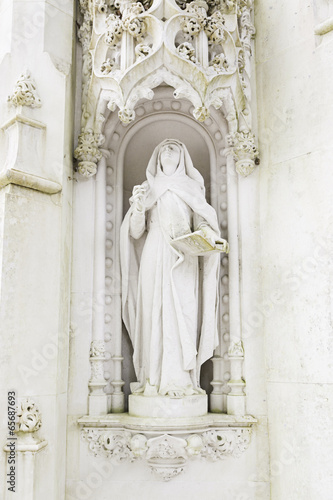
138, 196
222, 245
214, 238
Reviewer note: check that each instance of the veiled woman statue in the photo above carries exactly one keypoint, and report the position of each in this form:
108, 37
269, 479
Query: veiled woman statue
170, 300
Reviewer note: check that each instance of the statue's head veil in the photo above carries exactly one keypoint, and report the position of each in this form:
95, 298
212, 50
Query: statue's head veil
185, 166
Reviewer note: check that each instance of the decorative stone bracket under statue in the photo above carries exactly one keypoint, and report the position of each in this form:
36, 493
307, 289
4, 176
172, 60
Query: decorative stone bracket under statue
170, 444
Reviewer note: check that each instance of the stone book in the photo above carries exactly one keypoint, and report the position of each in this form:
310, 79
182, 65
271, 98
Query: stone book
196, 244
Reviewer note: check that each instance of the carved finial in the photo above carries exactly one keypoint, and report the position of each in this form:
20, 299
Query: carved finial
87, 153
25, 92
244, 151
29, 418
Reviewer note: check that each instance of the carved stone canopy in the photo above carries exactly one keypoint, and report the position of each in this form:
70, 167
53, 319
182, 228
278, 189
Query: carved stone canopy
201, 49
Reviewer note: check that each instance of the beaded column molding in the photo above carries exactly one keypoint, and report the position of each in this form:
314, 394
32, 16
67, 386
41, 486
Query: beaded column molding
202, 50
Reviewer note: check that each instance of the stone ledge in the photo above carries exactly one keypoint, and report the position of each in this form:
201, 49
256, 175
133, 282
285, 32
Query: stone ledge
185, 424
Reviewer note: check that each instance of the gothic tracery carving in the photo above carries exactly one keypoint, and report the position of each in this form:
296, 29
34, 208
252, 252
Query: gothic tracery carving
202, 49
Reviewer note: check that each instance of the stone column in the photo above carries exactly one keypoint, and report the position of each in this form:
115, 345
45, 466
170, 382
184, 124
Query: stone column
36, 40
236, 396
97, 396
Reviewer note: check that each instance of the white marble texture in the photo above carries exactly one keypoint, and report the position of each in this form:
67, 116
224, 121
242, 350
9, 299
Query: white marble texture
294, 68
36, 232
286, 273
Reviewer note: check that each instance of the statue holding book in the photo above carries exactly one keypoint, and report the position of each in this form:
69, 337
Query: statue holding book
170, 246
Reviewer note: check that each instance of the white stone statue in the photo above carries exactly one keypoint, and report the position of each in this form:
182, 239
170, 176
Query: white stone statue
169, 300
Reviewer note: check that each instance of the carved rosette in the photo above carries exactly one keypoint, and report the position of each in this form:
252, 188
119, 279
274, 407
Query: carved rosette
167, 455
28, 423
29, 418
25, 92
244, 151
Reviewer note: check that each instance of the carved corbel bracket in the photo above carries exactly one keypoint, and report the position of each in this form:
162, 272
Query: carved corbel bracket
167, 447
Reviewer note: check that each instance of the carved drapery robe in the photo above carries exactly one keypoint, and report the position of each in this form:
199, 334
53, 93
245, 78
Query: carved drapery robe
169, 301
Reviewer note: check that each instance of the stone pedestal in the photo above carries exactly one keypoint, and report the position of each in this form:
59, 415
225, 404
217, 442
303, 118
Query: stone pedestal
166, 406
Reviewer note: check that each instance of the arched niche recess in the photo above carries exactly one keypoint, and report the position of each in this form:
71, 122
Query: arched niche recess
127, 151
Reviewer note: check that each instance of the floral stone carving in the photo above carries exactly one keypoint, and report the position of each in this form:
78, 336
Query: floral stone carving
87, 153
97, 358
29, 418
25, 92
167, 455
201, 48
244, 151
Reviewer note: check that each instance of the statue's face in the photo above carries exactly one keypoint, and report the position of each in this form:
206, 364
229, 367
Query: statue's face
170, 156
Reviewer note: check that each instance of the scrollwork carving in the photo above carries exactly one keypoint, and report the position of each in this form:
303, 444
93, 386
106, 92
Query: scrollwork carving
107, 66
167, 455
220, 63
142, 51
187, 51
133, 24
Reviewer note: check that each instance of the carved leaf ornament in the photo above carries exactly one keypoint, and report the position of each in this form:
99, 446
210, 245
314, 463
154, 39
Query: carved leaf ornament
201, 48
167, 455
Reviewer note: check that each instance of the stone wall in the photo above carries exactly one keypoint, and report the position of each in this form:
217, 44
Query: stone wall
35, 243
295, 109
